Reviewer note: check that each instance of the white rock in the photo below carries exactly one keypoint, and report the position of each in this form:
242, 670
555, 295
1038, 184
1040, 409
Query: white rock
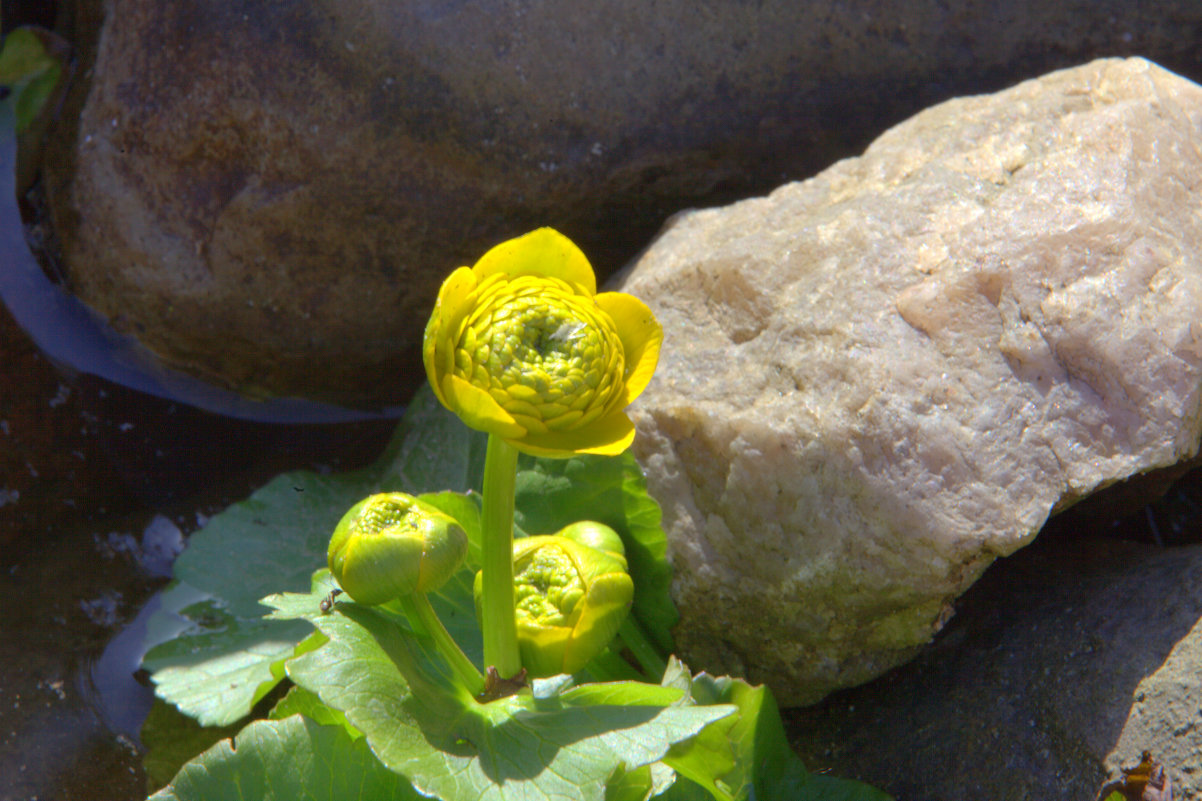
876, 381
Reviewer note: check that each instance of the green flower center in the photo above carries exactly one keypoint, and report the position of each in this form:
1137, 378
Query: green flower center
548, 356
387, 515
547, 588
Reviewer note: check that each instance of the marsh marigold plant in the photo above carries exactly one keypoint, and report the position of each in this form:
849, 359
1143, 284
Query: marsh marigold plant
522, 346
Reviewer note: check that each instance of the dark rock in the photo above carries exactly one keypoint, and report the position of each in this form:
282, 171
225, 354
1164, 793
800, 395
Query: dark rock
268, 193
1028, 689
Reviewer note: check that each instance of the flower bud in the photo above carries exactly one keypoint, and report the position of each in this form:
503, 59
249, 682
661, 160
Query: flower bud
571, 600
595, 535
393, 544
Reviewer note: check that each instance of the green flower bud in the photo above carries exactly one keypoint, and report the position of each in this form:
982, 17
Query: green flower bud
571, 600
390, 545
595, 535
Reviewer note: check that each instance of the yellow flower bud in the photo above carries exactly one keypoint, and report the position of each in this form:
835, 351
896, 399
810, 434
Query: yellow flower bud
393, 544
522, 346
571, 600
595, 535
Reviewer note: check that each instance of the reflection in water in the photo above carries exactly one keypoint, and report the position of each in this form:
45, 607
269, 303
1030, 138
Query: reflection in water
54, 741
121, 701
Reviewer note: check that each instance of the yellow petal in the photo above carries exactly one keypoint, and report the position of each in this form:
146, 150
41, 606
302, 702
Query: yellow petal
609, 436
602, 612
531, 424
641, 336
477, 408
456, 299
544, 252
430, 359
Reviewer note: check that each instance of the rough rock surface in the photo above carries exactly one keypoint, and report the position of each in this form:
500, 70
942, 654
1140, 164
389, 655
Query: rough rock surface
1166, 717
876, 381
1054, 672
267, 194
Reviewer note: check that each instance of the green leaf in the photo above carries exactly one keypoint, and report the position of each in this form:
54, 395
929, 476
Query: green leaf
294, 759
225, 665
747, 755
22, 56
272, 541
433, 450
229, 656
639, 784
172, 738
552, 493
559, 743
33, 96
225, 656
32, 71
300, 701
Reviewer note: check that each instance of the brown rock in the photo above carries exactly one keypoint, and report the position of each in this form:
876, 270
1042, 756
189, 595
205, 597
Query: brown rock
267, 194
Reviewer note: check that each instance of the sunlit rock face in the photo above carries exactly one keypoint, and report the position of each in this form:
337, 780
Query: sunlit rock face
877, 381
268, 194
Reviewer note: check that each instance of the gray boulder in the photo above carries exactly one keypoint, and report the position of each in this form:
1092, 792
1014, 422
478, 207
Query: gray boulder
877, 381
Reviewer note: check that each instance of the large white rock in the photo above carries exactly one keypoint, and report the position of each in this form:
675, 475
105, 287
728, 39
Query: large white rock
877, 381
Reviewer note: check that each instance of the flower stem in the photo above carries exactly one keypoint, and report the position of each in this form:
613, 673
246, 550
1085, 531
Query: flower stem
418, 610
633, 637
500, 628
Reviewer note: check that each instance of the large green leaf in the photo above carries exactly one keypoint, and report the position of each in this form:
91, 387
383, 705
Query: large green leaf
228, 656
294, 759
558, 743
215, 655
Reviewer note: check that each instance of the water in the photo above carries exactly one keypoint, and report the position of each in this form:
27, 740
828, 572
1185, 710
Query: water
103, 484
105, 465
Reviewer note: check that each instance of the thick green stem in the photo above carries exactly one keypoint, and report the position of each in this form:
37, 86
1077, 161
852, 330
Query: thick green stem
418, 610
648, 657
500, 627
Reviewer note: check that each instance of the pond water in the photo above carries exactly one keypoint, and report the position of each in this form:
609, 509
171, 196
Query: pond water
100, 486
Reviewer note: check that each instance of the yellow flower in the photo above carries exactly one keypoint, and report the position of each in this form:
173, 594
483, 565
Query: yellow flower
523, 347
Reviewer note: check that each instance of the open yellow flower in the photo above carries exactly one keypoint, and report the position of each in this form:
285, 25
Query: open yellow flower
522, 346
